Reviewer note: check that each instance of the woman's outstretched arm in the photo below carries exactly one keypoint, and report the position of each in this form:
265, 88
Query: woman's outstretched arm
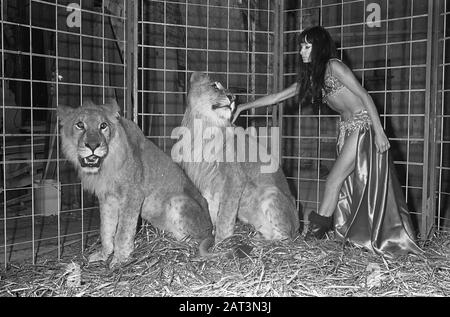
268, 100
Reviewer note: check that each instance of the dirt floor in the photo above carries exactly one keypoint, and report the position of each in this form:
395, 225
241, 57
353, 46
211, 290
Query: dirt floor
161, 266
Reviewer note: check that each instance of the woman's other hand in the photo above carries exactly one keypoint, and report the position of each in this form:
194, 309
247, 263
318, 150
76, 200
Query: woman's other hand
381, 142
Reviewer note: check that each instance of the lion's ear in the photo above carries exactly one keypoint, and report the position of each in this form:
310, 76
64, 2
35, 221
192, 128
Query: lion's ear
113, 106
198, 76
64, 111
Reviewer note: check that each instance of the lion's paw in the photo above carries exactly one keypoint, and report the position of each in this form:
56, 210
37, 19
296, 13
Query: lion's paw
98, 256
117, 261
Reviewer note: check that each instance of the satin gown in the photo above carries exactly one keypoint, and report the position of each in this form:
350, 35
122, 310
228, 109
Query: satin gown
371, 210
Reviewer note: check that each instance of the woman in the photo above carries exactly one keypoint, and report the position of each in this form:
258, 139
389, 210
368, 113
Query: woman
361, 189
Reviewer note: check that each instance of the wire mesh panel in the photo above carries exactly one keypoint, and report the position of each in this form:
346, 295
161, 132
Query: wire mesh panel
384, 42
53, 52
232, 40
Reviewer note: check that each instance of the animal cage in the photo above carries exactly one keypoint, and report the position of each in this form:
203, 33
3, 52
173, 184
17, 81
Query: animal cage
142, 53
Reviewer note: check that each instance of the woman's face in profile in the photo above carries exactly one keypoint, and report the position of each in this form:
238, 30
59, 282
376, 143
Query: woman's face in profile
305, 51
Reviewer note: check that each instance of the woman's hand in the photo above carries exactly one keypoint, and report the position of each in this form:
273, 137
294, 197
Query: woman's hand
381, 142
236, 113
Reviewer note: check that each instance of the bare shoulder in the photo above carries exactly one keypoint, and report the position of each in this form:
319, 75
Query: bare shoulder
336, 66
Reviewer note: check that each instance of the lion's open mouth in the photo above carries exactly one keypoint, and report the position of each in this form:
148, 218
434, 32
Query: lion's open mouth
231, 98
219, 106
93, 161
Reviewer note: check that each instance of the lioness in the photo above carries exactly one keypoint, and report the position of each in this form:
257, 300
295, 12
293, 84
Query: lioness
234, 189
130, 176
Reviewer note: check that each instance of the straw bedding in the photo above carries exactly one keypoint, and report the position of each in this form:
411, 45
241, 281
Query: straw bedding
162, 266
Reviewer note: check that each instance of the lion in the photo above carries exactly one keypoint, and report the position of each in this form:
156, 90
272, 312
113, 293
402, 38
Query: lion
130, 176
234, 190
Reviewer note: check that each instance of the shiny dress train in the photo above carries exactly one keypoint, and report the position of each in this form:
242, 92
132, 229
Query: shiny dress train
371, 210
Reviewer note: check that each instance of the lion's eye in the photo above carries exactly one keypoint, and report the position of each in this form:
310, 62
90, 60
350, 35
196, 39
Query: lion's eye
215, 85
79, 125
103, 125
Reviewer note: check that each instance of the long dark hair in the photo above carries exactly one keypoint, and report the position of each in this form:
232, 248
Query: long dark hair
311, 75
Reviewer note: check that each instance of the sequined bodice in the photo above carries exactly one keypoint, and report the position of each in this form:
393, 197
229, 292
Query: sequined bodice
332, 85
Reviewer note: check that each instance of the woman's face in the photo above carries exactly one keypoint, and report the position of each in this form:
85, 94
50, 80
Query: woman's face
305, 51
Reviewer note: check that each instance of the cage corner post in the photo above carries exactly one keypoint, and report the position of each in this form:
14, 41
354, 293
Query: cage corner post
427, 225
